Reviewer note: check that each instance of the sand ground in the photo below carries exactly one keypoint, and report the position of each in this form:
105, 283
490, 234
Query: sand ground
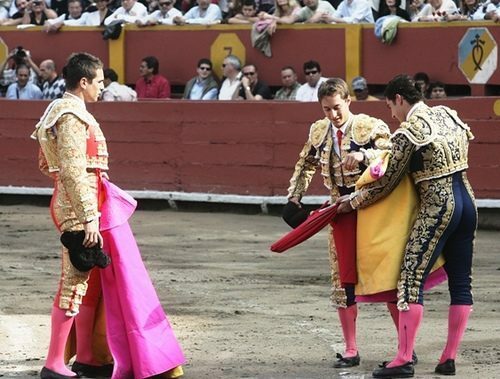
238, 310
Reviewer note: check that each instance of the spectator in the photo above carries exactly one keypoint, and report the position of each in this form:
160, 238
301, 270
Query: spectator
251, 87
204, 86
95, 18
114, 91
163, 16
130, 12
284, 13
360, 89
18, 56
393, 8
247, 14
309, 90
23, 89
53, 86
266, 6
231, 70
205, 13
16, 13
37, 13
469, 10
151, 85
415, 7
436, 10
437, 90
422, 81
290, 84
352, 12
491, 9
74, 15
233, 8
314, 11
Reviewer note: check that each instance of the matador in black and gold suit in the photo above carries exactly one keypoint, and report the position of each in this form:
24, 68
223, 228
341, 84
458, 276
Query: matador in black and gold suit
431, 145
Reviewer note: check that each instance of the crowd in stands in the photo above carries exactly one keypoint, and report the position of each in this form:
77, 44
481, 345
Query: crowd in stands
53, 14
21, 78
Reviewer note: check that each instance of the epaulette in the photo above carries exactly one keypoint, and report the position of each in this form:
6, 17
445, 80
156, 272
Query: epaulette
319, 131
418, 128
363, 127
63, 106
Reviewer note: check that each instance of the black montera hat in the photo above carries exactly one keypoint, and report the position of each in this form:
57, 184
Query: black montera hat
83, 258
293, 214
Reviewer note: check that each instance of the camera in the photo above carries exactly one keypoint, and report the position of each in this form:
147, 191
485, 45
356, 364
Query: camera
20, 52
19, 55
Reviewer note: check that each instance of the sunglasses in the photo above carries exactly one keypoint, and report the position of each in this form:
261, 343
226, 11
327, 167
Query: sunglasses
312, 72
165, 4
249, 73
204, 68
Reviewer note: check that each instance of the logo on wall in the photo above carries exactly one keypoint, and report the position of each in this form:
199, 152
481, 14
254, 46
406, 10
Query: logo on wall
477, 55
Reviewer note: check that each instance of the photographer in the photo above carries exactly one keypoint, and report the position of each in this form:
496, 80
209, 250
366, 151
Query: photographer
16, 57
37, 13
23, 90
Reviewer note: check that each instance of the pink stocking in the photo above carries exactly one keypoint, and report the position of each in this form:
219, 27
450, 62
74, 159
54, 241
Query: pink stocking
458, 315
60, 329
409, 322
347, 318
84, 331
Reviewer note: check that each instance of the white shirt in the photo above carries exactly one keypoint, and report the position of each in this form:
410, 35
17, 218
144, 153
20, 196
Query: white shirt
308, 93
355, 12
118, 92
198, 16
87, 19
138, 11
447, 6
228, 88
166, 19
334, 134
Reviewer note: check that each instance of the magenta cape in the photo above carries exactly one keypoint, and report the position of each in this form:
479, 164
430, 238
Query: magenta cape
139, 335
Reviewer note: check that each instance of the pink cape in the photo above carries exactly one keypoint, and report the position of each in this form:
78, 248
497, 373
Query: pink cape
139, 335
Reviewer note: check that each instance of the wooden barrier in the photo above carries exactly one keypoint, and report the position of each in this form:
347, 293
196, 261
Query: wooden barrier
342, 50
242, 148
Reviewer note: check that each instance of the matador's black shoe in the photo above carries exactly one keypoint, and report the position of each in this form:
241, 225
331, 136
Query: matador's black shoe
414, 359
91, 371
446, 368
404, 371
347, 361
49, 374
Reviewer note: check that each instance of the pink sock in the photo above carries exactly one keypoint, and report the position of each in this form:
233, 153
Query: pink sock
458, 315
409, 322
347, 318
60, 329
84, 321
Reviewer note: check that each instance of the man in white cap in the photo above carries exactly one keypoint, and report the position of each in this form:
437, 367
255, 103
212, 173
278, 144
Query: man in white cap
360, 89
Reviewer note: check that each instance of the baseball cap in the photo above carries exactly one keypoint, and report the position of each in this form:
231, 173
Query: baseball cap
359, 83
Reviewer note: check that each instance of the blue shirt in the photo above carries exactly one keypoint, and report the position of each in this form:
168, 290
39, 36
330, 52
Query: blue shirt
197, 92
28, 92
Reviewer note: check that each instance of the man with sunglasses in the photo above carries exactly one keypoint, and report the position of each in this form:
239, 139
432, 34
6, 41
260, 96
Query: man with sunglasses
204, 86
163, 16
309, 90
251, 87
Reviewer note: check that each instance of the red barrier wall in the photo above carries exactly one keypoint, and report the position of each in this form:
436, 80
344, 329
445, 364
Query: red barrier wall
220, 147
342, 50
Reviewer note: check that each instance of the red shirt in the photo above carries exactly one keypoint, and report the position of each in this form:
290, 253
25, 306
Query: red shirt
157, 87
